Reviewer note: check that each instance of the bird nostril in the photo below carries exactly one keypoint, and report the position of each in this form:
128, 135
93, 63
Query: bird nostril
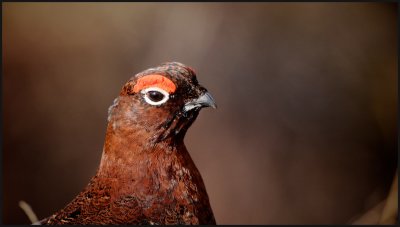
205, 100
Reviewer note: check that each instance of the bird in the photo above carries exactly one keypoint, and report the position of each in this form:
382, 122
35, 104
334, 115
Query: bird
146, 174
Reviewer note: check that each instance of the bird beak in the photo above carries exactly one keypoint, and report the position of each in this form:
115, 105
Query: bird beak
205, 100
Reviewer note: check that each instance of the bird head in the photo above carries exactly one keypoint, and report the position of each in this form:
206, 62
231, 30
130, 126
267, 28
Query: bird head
159, 103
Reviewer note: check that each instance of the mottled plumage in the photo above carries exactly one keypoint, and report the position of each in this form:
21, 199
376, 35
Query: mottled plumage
146, 175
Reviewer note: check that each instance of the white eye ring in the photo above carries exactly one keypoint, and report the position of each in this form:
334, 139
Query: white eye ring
145, 93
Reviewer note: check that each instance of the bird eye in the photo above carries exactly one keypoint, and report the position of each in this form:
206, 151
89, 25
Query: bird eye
155, 96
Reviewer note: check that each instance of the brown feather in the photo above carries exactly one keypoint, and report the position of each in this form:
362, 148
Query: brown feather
146, 175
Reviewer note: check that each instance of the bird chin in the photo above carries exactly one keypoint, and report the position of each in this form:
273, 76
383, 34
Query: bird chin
176, 127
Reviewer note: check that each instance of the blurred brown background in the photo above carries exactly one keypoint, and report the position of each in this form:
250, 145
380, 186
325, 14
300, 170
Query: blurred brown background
305, 132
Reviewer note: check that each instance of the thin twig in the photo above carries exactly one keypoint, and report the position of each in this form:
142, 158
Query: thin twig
389, 213
28, 211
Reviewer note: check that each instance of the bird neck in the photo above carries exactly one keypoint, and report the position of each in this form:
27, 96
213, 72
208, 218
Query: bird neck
126, 149
134, 166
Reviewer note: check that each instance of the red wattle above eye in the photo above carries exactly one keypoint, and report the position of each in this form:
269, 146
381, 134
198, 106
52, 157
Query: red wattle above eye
155, 80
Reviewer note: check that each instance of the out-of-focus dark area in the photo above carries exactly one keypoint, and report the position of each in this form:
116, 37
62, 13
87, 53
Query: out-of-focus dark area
306, 126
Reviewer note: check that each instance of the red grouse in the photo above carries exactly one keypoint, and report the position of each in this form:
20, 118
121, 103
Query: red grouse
146, 175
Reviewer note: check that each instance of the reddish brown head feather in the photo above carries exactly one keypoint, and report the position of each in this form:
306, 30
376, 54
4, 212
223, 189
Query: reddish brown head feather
143, 179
